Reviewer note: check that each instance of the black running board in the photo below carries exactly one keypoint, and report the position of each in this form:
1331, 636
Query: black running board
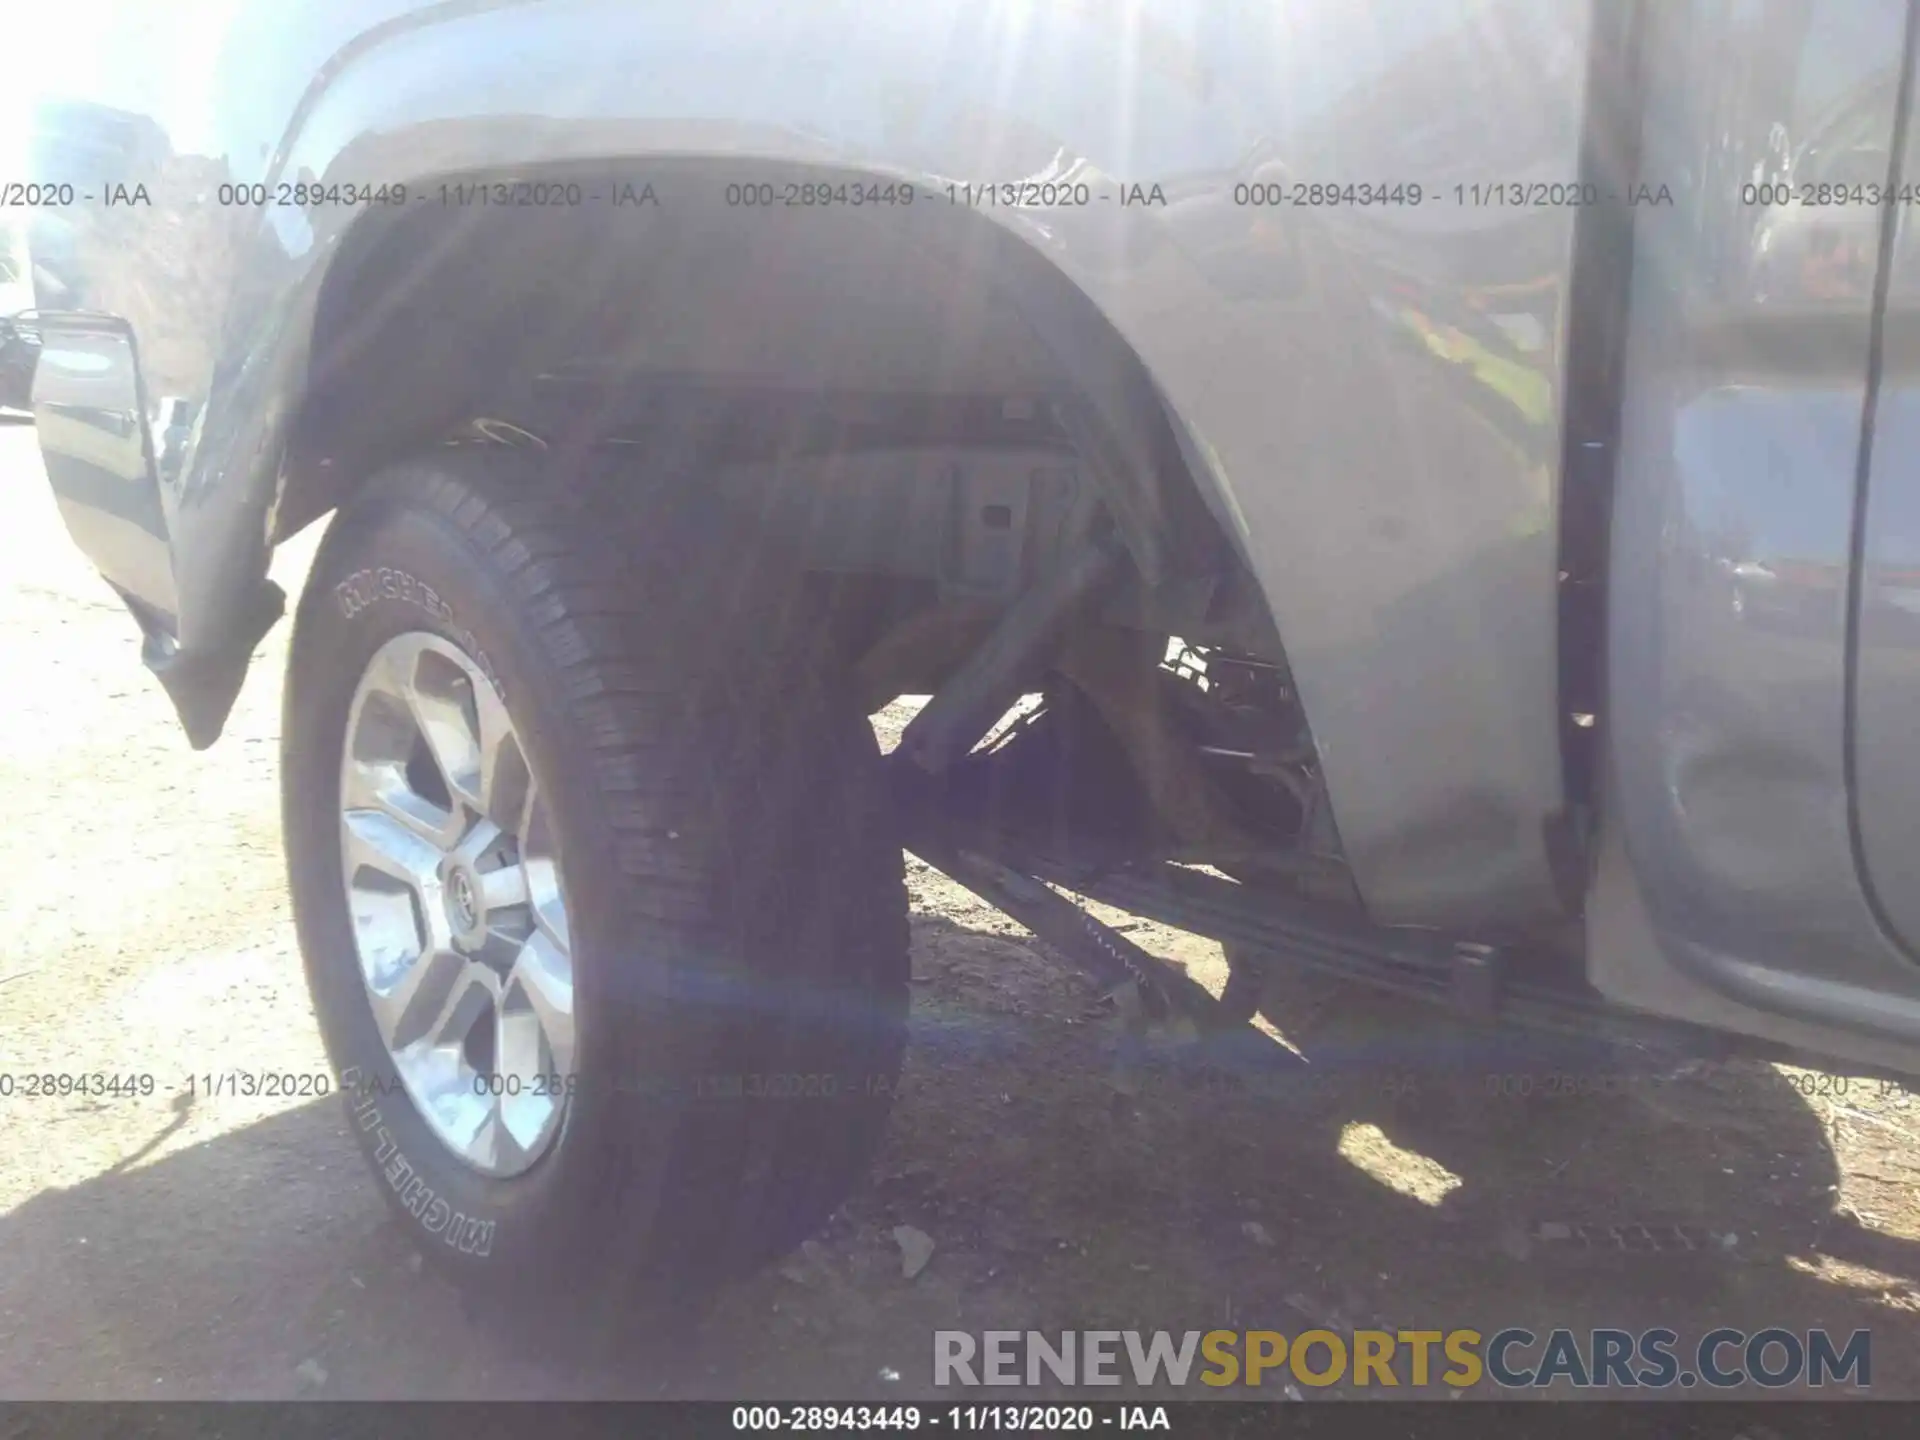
1101, 951
1475, 979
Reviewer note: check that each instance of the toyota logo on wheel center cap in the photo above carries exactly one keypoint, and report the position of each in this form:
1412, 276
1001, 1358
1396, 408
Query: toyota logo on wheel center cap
464, 901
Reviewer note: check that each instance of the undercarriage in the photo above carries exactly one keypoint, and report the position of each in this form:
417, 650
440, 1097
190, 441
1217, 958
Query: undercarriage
1083, 733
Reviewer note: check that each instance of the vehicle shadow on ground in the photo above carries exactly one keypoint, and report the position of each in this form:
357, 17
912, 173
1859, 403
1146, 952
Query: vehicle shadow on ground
262, 1263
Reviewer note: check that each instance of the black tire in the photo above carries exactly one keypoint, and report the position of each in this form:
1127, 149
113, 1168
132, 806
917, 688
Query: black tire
733, 873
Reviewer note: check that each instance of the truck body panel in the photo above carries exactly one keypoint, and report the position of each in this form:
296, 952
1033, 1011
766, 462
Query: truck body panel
1752, 372
1372, 391
1344, 251
1885, 697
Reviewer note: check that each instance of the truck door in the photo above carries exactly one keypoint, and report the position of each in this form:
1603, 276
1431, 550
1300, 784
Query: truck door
1761, 825
1884, 717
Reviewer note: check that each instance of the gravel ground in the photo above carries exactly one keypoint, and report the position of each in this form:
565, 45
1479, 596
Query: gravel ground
225, 1246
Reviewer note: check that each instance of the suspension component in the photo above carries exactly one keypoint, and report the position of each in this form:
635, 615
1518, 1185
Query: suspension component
964, 709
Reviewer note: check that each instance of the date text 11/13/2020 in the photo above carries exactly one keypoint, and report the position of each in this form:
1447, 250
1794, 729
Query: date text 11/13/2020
308, 1085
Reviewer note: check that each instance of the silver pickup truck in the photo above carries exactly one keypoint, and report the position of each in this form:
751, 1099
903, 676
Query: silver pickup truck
1419, 496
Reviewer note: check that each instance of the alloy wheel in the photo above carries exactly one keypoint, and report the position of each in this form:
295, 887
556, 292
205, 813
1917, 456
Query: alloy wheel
460, 925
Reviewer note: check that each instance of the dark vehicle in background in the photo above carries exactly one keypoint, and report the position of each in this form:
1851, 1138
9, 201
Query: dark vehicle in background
1433, 502
19, 347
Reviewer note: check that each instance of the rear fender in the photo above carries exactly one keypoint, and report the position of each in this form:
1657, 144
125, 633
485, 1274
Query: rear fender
1384, 454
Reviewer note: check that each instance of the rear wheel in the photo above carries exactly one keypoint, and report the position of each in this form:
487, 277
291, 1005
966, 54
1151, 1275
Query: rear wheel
598, 893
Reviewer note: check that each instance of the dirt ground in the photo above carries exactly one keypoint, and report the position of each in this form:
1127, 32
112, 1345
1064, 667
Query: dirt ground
233, 1247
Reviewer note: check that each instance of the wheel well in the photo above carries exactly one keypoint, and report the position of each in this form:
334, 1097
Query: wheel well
923, 410
924, 313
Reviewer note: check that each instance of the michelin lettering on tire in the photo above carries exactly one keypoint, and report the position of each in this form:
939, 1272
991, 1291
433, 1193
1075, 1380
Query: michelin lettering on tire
468, 1234
385, 582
